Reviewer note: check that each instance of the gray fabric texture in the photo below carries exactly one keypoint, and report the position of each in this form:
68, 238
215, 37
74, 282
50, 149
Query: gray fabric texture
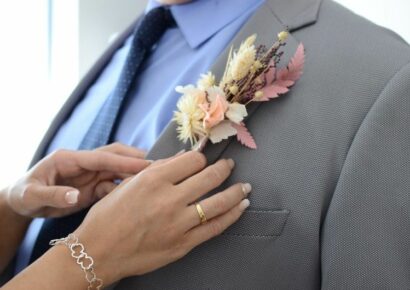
330, 206
332, 171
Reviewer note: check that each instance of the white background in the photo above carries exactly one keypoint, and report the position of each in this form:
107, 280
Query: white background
40, 65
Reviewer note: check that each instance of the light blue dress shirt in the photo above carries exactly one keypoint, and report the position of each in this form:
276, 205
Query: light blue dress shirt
204, 29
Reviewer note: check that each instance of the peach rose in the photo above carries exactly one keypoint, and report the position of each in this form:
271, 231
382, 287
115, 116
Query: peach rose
215, 113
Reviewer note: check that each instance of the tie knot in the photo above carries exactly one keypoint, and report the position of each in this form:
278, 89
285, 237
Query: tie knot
153, 26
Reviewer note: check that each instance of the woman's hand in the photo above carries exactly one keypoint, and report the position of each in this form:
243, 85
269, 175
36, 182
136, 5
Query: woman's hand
151, 220
67, 181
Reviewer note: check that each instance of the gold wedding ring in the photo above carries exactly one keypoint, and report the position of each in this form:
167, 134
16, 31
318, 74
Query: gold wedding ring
202, 216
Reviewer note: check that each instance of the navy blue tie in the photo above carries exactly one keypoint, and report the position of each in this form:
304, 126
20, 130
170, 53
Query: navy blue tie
150, 30
148, 33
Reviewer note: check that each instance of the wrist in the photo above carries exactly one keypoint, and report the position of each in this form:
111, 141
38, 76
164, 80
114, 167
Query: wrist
82, 258
68, 263
101, 254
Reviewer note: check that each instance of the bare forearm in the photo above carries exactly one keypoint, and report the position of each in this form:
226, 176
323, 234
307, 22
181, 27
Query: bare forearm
61, 273
12, 230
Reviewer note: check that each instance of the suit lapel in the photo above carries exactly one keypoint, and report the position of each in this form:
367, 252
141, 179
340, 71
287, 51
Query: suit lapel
267, 25
271, 18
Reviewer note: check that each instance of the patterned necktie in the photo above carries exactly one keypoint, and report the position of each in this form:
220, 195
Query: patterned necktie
150, 30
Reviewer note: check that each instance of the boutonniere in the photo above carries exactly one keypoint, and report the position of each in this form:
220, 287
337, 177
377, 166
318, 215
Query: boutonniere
215, 111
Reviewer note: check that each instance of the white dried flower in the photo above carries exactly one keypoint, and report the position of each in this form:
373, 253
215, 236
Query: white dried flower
249, 41
221, 132
213, 92
236, 112
189, 115
242, 62
206, 81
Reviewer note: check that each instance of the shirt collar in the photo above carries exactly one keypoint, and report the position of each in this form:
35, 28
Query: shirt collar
201, 19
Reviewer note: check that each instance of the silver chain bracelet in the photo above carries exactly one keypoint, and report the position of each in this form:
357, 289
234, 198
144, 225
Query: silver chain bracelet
82, 258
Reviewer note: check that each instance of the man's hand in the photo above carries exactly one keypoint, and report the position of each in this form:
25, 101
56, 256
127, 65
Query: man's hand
68, 181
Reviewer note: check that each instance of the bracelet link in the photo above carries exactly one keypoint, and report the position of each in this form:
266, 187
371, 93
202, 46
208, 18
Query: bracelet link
85, 261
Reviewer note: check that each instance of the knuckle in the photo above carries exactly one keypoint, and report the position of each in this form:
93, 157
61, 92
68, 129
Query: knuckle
162, 209
172, 231
220, 204
148, 177
26, 193
224, 166
52, 196
59, 154
179, 251
180, 194
117, 145
150, 181
214, 173
99, 162
198, 158
113, 147
215, 228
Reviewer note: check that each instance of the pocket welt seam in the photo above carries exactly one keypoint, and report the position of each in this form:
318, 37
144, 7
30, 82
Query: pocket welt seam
268, 229
284, 211
251, 236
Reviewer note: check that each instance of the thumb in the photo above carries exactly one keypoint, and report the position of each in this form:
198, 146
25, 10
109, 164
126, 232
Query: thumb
54, 196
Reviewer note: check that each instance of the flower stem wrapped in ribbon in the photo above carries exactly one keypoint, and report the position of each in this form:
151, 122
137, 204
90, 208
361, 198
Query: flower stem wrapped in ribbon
211, 111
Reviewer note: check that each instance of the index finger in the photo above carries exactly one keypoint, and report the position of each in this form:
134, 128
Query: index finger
122, 149
181, 167
106, 161
206, 180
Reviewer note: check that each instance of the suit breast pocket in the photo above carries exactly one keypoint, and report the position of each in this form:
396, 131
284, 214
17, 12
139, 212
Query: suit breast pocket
259, 223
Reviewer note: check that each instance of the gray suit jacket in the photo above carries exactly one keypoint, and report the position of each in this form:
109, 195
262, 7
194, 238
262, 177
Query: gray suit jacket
330, 206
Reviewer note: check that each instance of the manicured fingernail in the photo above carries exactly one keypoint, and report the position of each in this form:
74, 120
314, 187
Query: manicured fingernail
231, 163
150, 161
72, 196
246, 188
244, 204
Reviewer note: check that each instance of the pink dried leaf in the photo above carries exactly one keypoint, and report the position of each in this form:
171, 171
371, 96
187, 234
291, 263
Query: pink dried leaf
284, 83
295, 67
285, 78
244, 137
272, 91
